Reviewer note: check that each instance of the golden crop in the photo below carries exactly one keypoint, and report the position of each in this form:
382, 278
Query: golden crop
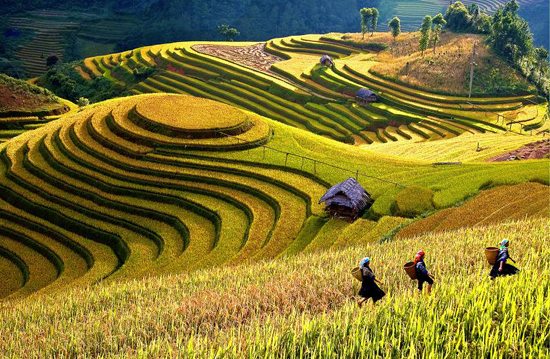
176, 209
305, 304
491, 206
190, 113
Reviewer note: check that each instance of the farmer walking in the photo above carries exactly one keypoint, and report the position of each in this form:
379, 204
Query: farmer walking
369, 288
501, 268
422, 273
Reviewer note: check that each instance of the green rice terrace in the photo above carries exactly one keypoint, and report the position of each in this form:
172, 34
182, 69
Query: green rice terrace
185, 217
117, 191
284, 81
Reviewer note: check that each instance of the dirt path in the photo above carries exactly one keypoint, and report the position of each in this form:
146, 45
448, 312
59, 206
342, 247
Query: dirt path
253, 56
535, 150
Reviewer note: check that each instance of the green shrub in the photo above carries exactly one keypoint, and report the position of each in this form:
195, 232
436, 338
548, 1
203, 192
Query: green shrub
413, 201
65, 82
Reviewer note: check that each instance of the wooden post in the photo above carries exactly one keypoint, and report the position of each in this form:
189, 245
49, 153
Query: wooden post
314, 167
472, 64
263, 157
302, 165
357, 175
286, 158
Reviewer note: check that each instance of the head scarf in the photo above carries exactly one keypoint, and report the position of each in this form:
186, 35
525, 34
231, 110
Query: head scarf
419, 256
364, 262
503, 243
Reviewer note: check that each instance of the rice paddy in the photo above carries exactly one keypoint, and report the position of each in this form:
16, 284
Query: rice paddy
299, 92
185, 220
304, 304
135, 186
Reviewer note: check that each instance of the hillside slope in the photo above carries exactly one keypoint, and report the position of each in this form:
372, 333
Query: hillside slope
24, 107
21, 98
283, 80
34, 30
303, 304
121, 190
447, 69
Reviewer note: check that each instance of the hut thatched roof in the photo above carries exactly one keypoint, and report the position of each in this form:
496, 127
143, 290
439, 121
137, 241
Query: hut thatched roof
325, 58
364, 93
348, 194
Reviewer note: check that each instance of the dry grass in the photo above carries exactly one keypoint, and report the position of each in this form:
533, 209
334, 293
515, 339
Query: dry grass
491, 206
447, 70
303, 304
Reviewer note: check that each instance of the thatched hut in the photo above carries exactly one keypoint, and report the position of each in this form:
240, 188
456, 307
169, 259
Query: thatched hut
365, 96
326, 61
346, 200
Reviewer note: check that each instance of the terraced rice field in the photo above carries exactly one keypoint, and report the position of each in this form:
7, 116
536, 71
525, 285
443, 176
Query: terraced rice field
491, 6
49, 30
104, 211
305, 304
303, 94
465, 148
411, 13
491, 206
146, 184
13, 124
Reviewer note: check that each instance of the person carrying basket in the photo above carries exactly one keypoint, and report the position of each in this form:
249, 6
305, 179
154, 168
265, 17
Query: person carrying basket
501, 268
422, 274
369, 286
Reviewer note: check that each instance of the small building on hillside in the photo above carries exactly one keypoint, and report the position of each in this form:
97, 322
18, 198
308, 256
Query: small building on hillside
326, 61
365, 96
346, 200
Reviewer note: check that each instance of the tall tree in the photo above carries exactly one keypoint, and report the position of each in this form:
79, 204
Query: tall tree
474, 10
395, 27
366, 14
229, 33
541, 58
458, 17
511, 36
425, 33
438, 22
374, 19
511, 7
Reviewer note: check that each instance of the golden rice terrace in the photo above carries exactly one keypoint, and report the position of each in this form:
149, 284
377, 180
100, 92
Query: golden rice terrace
105, 194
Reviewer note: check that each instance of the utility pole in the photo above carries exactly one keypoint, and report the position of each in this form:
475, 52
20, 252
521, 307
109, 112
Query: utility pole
472, 64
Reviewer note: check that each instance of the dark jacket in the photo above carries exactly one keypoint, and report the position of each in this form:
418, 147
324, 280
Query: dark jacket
503, 255
421, 270
507, 269
369, 288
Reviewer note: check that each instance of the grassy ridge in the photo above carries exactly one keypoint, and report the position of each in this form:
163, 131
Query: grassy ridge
303, 304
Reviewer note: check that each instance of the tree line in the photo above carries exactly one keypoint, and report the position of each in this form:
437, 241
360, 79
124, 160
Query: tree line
508, 34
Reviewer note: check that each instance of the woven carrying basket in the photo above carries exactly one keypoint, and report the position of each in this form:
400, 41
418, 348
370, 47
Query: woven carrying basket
410, 268
491, 254
356, 273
